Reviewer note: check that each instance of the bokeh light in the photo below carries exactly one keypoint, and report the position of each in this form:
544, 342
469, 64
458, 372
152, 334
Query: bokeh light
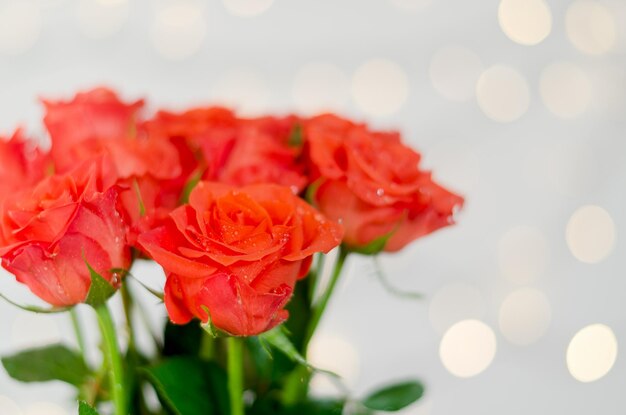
454, 71
609, 90
455, 302
502, 93
319, 87
101, 18
590, 234
467, 348
524, 316
527, 22
179, 30
336, 354
523, 254
592, 353
590, 27
20, 26
247, 8
565, 89
8, 407
380, 87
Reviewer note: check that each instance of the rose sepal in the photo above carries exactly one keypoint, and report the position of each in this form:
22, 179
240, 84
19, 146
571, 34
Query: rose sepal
35, 309
100, 289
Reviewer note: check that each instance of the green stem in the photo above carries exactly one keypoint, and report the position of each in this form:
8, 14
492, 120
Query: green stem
112, 358
80, 340
127, 302
207, 346
315, 276
320, 307
235, 375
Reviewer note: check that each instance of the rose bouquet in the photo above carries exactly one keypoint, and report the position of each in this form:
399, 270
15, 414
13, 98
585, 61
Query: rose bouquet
239, 213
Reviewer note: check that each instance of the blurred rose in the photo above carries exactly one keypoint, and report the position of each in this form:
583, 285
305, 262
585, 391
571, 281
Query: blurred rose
234, 150
97, 123
372, 184
51, 231
237, 252
22, 164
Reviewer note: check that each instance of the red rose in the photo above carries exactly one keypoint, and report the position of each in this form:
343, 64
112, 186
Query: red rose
237, 252
49, 233
372, 184
96, 123
95, 114
235, 150
22, 164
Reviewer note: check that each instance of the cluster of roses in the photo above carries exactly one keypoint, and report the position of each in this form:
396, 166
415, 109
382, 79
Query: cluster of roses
233, 208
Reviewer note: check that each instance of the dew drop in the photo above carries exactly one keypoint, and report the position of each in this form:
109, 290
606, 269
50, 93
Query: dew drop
380, 192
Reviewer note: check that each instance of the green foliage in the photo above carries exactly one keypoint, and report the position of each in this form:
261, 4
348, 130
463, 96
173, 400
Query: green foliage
278, 339
296, 137
191, 183
394, 397
100, 289
35, 309
85, 409
190, 386
373, 248
310, 407
54, 362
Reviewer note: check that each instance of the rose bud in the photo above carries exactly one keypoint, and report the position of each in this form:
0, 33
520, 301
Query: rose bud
233, 255
50, 232
372, 184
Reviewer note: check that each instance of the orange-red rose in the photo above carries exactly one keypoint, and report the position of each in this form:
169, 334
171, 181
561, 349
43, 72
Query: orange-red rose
233, 255
372, 184
97, 123
22, 163
50, 232
233, 150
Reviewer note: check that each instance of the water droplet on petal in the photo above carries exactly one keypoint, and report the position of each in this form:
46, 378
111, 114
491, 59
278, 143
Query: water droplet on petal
380, 192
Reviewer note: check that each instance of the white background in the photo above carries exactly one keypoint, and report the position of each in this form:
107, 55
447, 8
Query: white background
519, 108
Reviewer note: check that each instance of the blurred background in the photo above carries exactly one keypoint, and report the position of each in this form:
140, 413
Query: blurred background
520, 105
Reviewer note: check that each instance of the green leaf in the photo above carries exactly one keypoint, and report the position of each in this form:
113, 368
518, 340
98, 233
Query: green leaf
394, 397
317, 407
142, 207
54, 362
377, 245
35, 309
191, 183
311, 191
372, 248
261, 357
152, 291
100, 289
267, 405
278, 339
190, 386
296, 137
85, 409
299, 308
